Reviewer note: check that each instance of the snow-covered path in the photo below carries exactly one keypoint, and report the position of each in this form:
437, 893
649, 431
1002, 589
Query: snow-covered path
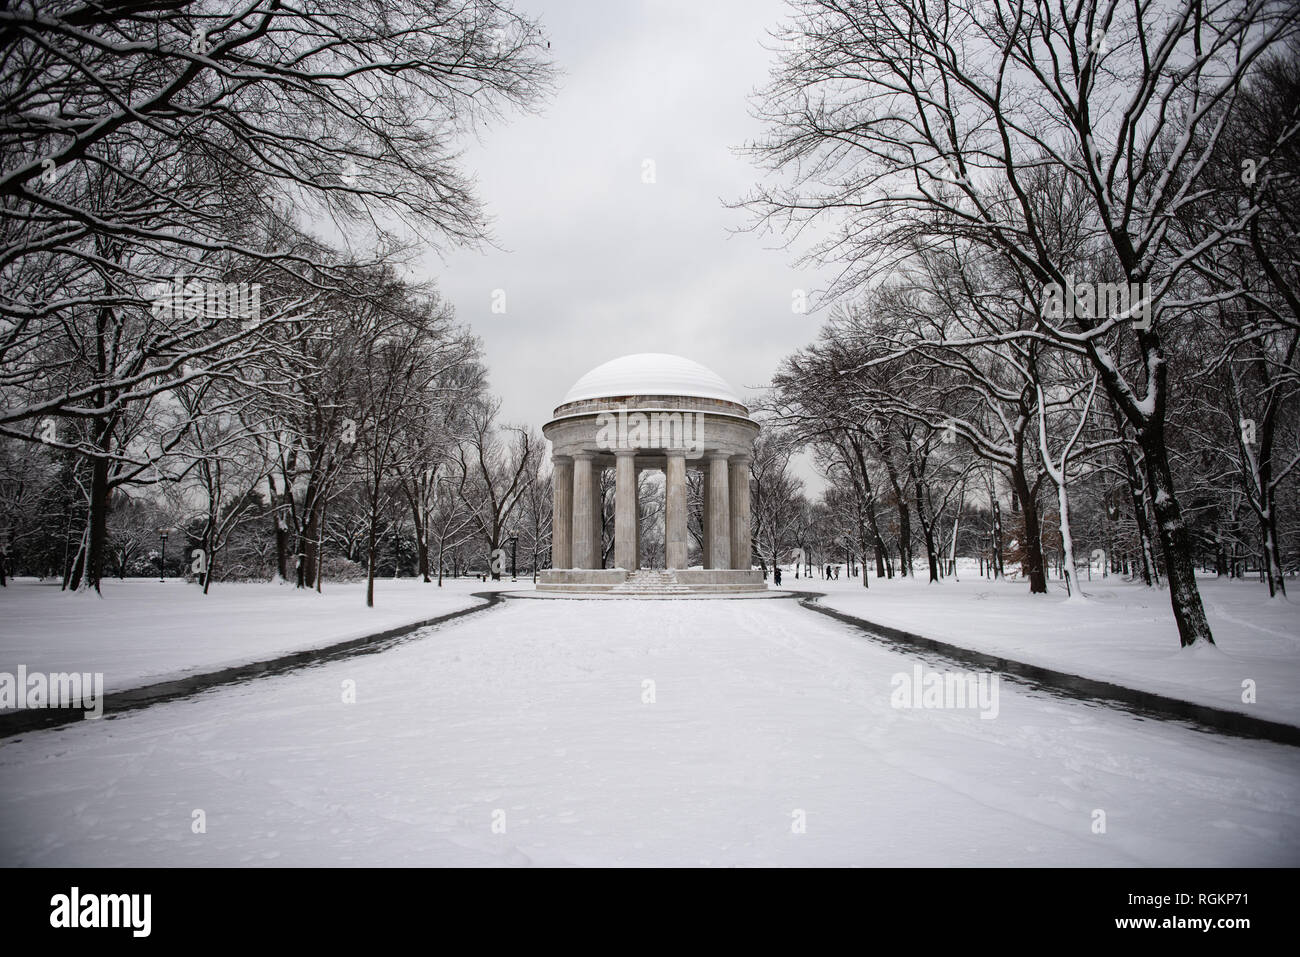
533, 716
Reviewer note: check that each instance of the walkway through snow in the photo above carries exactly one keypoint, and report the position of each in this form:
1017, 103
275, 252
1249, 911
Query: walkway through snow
534, 718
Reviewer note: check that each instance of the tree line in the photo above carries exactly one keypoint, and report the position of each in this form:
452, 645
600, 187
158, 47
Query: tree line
1067, 288
206, 320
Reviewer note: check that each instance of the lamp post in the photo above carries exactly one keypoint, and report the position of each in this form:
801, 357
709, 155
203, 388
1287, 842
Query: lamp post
162, 556
514, 548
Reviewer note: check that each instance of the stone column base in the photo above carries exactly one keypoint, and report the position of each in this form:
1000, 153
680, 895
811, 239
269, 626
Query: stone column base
719, 581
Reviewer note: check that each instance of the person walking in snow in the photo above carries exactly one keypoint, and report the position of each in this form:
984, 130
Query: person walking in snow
776, 575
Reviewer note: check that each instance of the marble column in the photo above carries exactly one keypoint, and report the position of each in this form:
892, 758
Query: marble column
719, 513
706, 526
562, 512
597, 519
738, 470
582, 504
625, 509
675, 536
636, 559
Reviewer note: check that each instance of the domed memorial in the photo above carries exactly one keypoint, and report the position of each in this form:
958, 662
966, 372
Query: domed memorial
639, 412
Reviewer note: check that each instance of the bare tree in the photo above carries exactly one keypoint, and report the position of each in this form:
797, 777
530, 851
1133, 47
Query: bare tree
496, 464
909, 123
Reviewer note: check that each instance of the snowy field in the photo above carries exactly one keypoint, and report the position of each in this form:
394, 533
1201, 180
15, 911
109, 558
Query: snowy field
144, 630
1122, 632
536, 717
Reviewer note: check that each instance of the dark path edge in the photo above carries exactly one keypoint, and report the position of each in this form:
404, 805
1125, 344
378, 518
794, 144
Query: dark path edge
132, 699
1141, 703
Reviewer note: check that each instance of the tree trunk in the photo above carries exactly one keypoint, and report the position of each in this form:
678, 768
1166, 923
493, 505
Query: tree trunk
862, 543
1220, 553
931, 555
421, 543
956, 528
280, 526
1030, 541
1067, 540
904, 521
78, 567
1175, 542
869, 497
97, 525
1266, 516
308, 547
1136, 489
370, 564
98, 519
995, 535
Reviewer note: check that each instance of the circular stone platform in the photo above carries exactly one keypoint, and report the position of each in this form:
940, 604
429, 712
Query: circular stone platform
551, 594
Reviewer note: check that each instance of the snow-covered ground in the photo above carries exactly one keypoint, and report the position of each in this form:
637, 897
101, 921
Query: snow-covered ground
1123, 632
144, 630
537, 718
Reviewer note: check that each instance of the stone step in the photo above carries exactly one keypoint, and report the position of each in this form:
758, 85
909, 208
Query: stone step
676, 590
650, 581
653, 588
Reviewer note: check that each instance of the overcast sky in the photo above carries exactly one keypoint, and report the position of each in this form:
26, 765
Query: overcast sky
595, 263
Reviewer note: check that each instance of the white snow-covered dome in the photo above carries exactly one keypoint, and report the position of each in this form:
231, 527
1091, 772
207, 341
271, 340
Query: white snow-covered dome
651, 373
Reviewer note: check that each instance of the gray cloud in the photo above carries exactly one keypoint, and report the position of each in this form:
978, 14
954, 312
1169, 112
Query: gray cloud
594, 262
